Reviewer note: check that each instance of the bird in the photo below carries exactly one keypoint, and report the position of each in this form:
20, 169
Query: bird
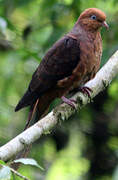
72, 61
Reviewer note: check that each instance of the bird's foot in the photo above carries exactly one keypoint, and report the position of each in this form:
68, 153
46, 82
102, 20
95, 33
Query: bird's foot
69, 101
86, 90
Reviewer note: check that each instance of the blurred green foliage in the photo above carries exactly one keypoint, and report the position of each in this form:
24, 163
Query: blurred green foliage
86, 146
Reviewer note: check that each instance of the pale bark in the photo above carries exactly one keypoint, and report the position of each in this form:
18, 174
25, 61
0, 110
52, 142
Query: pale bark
62, 112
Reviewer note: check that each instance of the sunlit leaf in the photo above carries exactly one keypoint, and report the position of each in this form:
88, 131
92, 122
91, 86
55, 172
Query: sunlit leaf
2, 162
28, 161
5, 173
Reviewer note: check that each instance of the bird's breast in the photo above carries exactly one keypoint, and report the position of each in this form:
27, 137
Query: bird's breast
90, 56
89, 64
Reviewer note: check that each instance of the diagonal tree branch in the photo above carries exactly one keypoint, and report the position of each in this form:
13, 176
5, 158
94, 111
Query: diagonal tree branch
62, 112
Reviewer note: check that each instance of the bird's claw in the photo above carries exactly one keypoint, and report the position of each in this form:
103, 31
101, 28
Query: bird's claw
86, 90
69, 101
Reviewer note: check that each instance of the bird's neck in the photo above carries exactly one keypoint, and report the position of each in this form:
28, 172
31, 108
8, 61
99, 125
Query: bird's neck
79, 31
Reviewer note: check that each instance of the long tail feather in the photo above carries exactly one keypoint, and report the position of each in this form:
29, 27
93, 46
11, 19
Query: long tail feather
28, 99
41, 106
25, 151
31, 114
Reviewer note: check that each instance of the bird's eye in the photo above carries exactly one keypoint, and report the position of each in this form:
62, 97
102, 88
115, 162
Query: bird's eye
93, 17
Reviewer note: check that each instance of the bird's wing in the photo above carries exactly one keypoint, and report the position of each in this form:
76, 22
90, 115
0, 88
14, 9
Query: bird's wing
58, 63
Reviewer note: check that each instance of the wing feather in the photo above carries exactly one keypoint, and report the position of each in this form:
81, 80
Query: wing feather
58, 63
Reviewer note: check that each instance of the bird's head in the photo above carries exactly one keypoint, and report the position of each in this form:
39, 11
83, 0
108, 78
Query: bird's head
92, 19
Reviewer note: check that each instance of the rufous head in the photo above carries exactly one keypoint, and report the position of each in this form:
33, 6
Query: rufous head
92, 19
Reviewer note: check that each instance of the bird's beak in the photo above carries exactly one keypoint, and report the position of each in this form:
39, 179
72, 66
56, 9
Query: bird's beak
104, 24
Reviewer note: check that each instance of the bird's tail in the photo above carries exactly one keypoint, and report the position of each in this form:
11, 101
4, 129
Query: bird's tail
28, 98
32, 111
40, 108
26, 150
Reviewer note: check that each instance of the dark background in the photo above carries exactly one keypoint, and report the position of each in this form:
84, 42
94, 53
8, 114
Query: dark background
86, 146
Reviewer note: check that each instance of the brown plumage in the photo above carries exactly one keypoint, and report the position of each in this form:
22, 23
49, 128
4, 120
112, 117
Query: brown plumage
69, 63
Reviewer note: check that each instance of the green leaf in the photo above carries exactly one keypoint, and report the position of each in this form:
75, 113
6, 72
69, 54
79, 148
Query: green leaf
5, 173
28, 161
2, 162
